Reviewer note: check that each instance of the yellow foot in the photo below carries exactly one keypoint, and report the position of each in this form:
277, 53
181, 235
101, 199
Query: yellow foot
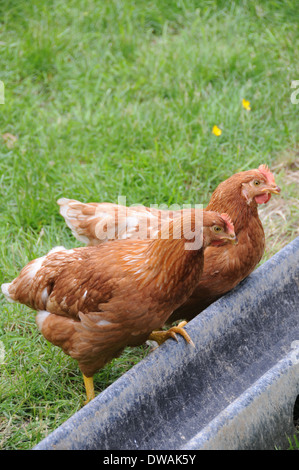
160, 336
88, 382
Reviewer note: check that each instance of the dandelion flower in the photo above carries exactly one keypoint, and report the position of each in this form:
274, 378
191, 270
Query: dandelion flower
246, 104
216, 131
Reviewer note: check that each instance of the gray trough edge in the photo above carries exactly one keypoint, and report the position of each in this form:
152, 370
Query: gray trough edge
235, 390
268, 403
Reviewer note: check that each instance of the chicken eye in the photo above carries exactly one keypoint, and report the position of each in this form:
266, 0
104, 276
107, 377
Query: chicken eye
217, 229
256, 182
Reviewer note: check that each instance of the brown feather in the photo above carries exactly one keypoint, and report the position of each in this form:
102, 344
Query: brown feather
94, 301
224, 266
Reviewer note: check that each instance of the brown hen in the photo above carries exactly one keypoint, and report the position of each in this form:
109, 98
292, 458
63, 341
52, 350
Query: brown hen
94, 301
227, 266
224, 267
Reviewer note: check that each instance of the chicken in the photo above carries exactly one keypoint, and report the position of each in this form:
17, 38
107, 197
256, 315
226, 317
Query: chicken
224, 267
94, 301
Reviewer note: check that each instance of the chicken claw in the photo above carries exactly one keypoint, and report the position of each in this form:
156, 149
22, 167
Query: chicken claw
161, 336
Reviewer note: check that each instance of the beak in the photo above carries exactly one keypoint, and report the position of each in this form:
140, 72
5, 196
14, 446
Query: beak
231, 238
234, 240
271, 189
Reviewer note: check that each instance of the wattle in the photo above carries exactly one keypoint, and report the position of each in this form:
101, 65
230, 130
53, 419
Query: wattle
217, 243
262, 198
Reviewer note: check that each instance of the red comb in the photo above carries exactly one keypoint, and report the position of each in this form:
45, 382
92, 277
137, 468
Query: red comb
228, 221
266, 173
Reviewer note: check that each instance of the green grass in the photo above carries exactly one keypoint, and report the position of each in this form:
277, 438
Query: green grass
119, 98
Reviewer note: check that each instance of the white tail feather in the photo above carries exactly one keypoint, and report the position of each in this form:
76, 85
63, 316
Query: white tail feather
5, 290
70, 215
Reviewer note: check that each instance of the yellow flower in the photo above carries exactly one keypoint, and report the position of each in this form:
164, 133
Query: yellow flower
216, 131
246, 104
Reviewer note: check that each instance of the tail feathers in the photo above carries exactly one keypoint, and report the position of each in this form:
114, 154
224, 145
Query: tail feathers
94, 223
21, 288
71, 211
5, 291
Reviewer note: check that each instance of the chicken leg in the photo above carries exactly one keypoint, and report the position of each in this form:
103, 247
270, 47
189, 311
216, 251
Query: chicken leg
160, 336
88, 382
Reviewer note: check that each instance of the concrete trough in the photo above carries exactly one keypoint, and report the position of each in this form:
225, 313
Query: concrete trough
237, 389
